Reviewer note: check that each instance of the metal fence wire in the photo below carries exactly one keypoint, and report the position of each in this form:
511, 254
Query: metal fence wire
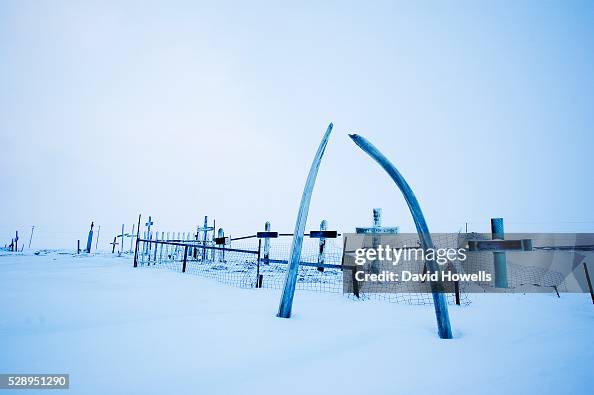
245, 263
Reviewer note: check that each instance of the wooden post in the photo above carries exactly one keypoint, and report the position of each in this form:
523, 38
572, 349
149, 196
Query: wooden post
221, 234
457, 292
589, 281
156, 245
185, 259
136, 253
267, 244
258, 264
499, 259
322, 245
439, 301
16, 242
97, 239
122, 242
286, 302
161, 247
204, 238
115, 238
31, 238
78, 246
90, 239
132, 239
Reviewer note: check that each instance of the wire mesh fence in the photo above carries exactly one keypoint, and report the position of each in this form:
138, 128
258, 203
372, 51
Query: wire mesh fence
244, 262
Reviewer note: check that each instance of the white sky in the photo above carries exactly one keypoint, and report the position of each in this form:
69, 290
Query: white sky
186, 109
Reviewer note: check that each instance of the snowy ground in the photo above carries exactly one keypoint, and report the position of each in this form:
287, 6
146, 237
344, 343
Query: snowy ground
120, 330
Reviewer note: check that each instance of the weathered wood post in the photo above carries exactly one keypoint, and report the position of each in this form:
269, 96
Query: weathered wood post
258, 280
16, 241
122, 242
267, 244
185, 259
161, 247
439, 300
322, 245
156, 245
136, 252
499, 259
97, 238
286, 302
90, 239
78, 246
132, 239
205, 228
221, 237
31, 238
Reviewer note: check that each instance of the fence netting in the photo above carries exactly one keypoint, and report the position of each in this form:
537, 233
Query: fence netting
248, 263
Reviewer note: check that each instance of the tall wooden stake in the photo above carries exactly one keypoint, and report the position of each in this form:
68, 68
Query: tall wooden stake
286, 302
439, 300
31, 238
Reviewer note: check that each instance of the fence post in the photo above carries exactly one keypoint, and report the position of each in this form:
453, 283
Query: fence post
161, 247
97, 239
204, 238
321, 257
90, 239
258, 282
156, 246
267, 244
185, 258
78, 247
16, 242
136, 253
499, 259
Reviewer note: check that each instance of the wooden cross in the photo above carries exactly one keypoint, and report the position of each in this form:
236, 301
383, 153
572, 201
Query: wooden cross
204, 229
114, 244
377, 225
376, 230
499, 246
149, 223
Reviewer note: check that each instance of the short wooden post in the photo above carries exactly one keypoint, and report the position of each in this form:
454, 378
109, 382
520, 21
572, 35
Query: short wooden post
457, 292
16, 241
589, 281
185, 259
78, 246
499, 259
321, 255
114, 244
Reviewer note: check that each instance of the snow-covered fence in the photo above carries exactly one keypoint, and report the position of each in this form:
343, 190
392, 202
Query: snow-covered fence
260, 260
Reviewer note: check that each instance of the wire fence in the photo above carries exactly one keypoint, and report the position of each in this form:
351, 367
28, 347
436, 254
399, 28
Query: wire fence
244, 262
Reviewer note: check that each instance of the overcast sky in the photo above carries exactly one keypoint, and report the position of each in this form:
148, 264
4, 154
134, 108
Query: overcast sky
185, 109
